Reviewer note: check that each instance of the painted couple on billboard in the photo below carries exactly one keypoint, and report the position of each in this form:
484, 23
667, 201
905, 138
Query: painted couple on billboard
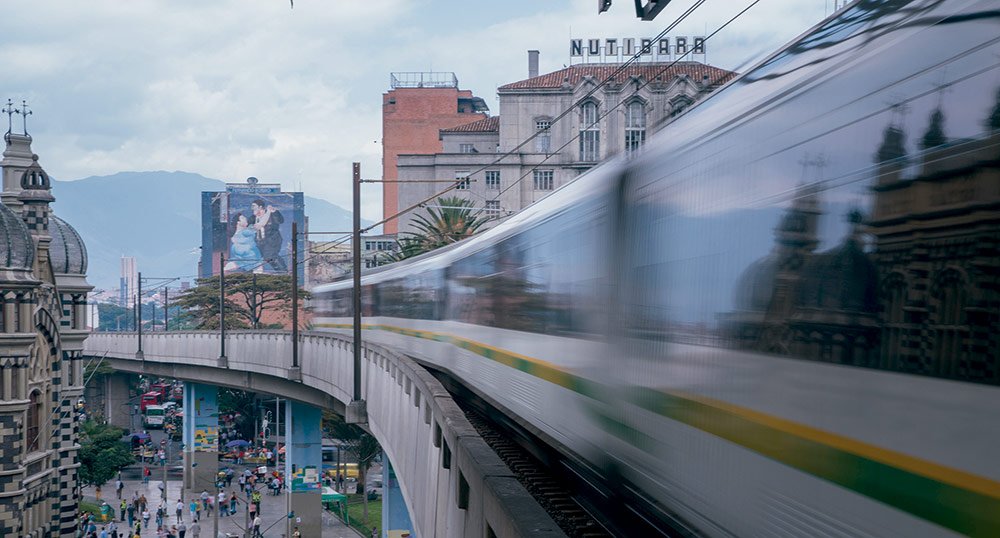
256, 240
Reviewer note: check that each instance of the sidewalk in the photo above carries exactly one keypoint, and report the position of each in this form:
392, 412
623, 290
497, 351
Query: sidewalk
272, 511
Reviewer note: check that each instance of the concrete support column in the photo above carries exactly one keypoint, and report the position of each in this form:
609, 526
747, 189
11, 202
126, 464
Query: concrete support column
303, 467
395, 515
201, 435
117, 408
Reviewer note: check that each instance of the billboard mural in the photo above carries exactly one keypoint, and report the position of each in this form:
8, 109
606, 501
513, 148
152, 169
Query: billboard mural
250, 225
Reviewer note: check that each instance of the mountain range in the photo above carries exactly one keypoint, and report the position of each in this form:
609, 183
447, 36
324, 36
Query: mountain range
155, 217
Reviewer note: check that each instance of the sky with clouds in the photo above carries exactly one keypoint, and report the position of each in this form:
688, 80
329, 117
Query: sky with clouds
234, 88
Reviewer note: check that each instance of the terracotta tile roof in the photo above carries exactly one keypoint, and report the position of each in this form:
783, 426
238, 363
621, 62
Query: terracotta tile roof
649, 71
485, 125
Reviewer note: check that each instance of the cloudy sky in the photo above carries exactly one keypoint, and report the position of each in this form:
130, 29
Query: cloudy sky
233, 88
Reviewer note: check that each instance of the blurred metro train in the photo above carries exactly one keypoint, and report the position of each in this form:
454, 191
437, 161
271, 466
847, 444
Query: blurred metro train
782, 316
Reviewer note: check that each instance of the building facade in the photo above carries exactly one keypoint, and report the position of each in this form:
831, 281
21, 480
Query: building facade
416, 107
546, 150
44, 290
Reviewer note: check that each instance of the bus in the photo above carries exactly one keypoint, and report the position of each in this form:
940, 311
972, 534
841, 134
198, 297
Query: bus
154, 417
150, 398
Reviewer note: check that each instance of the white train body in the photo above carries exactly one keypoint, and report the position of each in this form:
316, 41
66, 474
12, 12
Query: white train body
700, 323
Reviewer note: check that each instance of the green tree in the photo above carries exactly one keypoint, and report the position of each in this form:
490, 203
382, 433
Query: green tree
248, 296
245, 404
452, 220
102, 452
358, 442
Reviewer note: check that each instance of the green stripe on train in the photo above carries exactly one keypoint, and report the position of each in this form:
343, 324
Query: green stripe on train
952, 507
955, 508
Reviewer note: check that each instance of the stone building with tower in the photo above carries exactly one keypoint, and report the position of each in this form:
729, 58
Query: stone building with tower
43, 318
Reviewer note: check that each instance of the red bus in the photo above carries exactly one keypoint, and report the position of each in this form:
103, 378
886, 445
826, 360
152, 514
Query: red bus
162, 388
150, 398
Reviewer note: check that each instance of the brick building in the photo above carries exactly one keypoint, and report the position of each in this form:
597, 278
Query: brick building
416, 107
43, 263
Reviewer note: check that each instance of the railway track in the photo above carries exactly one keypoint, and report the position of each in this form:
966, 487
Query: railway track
577, 497
550, 492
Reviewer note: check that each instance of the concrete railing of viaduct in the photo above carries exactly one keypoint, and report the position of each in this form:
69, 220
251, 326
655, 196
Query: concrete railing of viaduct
452, 482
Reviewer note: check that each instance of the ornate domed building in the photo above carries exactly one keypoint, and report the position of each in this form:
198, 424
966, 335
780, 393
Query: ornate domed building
44, 291
814, 305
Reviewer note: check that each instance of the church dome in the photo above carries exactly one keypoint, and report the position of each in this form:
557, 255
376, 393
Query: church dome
843, 279
17, 249
67, 250
756, 285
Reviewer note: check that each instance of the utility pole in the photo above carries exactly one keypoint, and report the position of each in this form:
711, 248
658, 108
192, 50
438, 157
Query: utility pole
356, 411
223, 363
296, 372
138, 314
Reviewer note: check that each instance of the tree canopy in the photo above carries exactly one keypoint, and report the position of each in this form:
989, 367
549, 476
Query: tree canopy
451, 220
358, 442
248, 297
102, 452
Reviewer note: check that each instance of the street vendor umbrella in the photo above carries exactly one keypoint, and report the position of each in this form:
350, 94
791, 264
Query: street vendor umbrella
237, 443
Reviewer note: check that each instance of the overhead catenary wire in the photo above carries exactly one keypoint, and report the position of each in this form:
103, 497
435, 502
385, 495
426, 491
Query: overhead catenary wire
558, 117
639, 87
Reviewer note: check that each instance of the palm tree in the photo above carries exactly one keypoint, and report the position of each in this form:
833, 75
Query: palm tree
450, 220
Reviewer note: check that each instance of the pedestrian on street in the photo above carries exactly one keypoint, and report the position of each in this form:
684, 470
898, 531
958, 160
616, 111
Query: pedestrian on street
145, 518
97, 493
195, 515
130, 512
142, 502
256, 528
145, 475
195, 529
180, 510
222, 504
119, 486
296, 533
122, 507
232, 504
181, 530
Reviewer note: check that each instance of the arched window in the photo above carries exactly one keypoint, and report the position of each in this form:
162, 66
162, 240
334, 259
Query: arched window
590, 133
32, 421
635, 126
949, 323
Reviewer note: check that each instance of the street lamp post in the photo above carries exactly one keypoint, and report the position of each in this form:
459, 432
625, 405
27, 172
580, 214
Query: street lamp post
296, 372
